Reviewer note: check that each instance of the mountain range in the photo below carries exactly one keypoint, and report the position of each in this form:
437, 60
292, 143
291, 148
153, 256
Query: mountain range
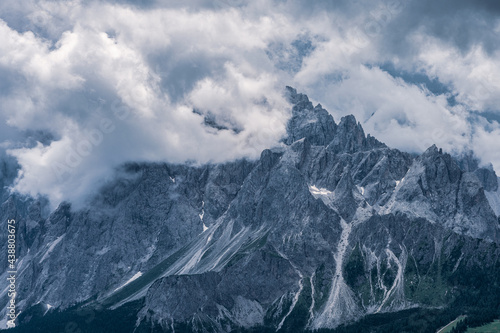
328, 230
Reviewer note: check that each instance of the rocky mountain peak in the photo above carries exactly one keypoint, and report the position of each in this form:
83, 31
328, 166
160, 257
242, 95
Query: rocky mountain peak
441, 168
313, 123
470, 163
317, 126
297, 98
350, 137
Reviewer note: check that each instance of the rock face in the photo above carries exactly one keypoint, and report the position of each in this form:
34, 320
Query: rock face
321, 231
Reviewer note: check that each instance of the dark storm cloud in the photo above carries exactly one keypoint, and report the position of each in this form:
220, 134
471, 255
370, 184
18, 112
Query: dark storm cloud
462, 23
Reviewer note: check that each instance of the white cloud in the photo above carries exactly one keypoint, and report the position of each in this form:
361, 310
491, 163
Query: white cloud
116, 82
474, 75
485, 143
102, 97
403, 115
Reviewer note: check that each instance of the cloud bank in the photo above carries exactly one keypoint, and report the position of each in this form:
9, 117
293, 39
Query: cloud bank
89, 85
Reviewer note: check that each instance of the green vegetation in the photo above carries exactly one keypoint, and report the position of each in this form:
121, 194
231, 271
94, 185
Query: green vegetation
478, 322
81, 320
448, 328
299, 315
493, 327
123, 320
354, 269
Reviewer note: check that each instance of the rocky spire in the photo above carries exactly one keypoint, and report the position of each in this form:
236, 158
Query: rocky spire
313, 123
318, 127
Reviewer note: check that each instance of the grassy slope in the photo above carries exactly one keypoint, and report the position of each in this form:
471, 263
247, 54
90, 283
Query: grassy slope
493, 327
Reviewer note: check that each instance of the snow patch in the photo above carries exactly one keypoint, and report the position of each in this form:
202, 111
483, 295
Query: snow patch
48, 306
323, 194
399, 181
319, 191
135, 277
201, 216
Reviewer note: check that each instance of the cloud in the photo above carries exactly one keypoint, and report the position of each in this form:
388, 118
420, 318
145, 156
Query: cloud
485, 141
344, 73
474, 75
459, 23
89, 85
404, 115
104, 91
